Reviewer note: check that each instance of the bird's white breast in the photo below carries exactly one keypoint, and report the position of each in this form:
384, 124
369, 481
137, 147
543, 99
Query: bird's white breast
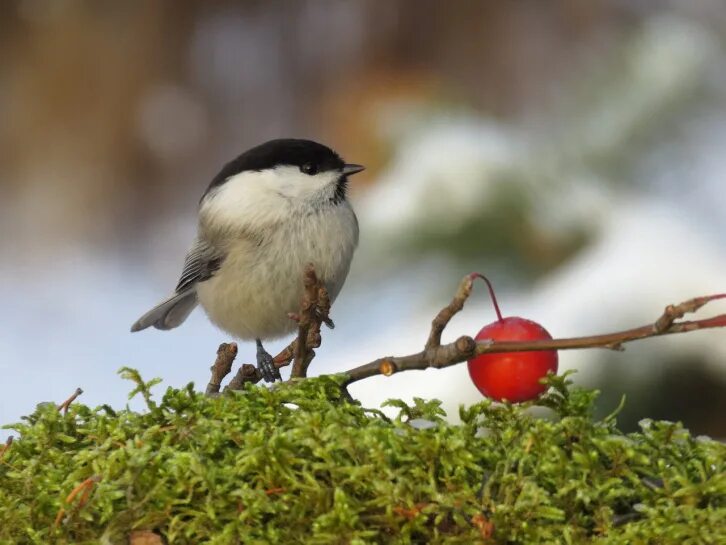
260, 280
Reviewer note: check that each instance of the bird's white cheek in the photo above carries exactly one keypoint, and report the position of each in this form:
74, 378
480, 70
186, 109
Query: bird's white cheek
246, 200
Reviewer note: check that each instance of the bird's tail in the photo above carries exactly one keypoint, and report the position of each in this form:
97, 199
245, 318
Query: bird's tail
170, 313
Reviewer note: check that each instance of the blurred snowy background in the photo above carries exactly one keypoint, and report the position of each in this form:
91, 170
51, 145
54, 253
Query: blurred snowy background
572, 151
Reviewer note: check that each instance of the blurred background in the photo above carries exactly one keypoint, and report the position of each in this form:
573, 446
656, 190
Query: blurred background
573, 151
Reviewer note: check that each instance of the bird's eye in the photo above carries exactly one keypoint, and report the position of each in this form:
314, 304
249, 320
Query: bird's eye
309, 168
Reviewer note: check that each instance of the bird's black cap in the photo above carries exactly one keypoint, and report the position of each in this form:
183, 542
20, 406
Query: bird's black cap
281, 152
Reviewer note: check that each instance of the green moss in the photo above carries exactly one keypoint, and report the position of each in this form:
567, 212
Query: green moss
299, 464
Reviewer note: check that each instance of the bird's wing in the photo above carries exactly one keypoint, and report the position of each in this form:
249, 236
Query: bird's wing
200, 264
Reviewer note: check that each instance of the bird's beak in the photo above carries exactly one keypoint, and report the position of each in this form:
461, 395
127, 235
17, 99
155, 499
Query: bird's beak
348, 170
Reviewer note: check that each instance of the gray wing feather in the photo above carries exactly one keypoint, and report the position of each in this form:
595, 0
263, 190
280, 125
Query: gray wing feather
169, 313
201, 262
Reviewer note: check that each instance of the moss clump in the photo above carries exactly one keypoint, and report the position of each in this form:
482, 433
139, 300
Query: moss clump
300, 464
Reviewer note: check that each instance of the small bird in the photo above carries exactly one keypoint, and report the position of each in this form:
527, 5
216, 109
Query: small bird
263, 218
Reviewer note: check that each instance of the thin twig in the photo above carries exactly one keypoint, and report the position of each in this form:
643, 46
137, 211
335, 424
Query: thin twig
449, 311
246, 373
314, 311
67, 403
438, 356
226, 353
675, 312
305, 322
285, 356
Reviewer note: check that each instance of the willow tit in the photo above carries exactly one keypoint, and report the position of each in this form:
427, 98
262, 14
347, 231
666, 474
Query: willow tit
267, 214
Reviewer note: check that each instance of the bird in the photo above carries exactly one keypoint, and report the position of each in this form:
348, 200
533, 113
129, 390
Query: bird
267, 214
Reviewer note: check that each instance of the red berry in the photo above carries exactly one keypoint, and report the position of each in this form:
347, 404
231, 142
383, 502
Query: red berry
514, 376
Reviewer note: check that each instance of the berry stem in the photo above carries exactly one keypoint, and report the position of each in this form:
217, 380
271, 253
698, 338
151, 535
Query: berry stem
491, 293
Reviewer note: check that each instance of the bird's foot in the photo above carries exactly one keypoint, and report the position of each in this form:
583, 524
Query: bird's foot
324, 318
266, 365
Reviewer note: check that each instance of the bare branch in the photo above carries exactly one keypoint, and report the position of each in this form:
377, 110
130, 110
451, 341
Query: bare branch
226, 353
302, 353
246, 373
464, 348
284, 358
449, 311
675, 312
314, 311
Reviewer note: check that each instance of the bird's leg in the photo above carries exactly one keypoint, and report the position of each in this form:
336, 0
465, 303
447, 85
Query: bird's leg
266, 365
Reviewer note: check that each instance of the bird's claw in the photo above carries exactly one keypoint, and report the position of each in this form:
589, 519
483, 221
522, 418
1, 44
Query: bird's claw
324, 319
266, 364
